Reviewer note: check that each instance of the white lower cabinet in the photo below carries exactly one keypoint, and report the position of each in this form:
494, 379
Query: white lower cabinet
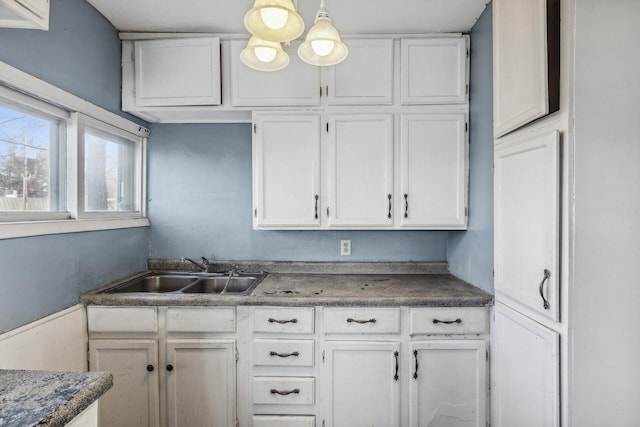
448, 383
362, 383
165, 373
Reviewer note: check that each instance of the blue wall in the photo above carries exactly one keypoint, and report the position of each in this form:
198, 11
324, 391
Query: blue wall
470, 253
42, 275
200, 205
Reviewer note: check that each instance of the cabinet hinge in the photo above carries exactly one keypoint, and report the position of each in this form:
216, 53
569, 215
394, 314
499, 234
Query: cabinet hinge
467, 53
255, 213
320, 91
327, 127
322, 356
327, 211
255, 128
466, 126
487, 354
237, 355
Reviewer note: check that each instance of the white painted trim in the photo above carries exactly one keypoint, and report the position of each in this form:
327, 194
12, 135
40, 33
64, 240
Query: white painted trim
23, 82
12, 230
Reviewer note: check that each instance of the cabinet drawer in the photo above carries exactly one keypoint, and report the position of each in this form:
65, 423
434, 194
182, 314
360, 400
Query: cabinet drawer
284, 421
283, 390
283, 352
362, 320
453, 320
122, 319
199, 319
288, 320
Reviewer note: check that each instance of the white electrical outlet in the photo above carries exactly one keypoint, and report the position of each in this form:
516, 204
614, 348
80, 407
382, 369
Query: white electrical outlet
345, 247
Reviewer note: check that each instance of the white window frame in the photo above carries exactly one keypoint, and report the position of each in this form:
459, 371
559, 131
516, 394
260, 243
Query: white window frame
24, 89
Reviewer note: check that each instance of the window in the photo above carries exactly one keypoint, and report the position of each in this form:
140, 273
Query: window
109, 170
32, 154
66, 165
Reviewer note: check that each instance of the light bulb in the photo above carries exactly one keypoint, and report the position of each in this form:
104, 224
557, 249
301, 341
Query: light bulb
274, 17
322, 47
265, 54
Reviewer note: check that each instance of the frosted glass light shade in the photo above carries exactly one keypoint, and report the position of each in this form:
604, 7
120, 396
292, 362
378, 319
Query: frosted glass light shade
323, 46
267, 21
264, 55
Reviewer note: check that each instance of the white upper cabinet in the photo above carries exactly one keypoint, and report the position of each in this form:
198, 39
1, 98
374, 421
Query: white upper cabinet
433, 71
295, 85
527, 214
286, 170
360, 170
433, 170
24, 14
365, 77
176, 72
526, 62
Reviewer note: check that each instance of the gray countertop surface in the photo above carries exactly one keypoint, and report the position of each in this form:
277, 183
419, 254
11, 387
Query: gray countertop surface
47, 398
329, 284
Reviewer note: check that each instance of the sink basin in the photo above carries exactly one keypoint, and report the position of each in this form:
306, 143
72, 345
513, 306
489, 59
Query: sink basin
155, 283
191, 283
215, 285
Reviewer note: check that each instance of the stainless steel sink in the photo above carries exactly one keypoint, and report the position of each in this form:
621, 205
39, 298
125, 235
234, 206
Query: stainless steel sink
239, 285
191, 283
155, 283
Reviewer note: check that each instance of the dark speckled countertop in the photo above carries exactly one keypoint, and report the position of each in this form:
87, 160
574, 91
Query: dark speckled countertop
46, 398
329, 284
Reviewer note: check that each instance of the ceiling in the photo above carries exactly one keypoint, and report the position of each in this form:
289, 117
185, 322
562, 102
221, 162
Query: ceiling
349, 16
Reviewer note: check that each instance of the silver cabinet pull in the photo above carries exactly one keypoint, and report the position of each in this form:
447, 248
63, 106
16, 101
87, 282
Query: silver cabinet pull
406, 205
285, 392
272, 320
447, 322
316, 208
396, 354
350, 320
415, 356
274, 353
389, 211
545, 303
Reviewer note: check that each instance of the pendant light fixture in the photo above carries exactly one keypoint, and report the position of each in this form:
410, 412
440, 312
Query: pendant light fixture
263, 55
323, 46
274, 21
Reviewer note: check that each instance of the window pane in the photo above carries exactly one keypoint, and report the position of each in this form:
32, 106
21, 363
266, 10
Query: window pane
29, 160
109, 172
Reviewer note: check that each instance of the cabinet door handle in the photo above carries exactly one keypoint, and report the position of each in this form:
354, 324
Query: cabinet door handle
150, 368
285, 392
396, 354
545, 303
272, 320
316, 207
406, 205
415, 356
169, 368
389, 209
350, 320
447, 322
274, 353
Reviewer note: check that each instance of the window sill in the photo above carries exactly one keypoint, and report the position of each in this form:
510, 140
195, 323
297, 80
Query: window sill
13, 230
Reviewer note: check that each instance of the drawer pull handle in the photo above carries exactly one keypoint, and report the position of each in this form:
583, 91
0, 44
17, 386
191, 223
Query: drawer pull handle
415, 373
545, 303
389, 211
396, 354
274, 353
150, 368
350, 320
285, 392
447, 322
169, 368
272, 320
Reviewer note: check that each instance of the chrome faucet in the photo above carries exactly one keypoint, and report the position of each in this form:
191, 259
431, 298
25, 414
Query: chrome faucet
204, 265
232, 273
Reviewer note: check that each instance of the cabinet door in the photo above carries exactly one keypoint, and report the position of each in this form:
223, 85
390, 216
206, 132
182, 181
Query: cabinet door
365, 76
297, 84
434, 170
521, 63
201, 382
362, 384
525, 371
133, 400
183, 71
433, 71
448, 383
286, 170
360, 170
24, 14
526, 199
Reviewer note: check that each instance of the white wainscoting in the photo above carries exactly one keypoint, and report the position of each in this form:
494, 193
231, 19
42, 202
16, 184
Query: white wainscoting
55, 343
